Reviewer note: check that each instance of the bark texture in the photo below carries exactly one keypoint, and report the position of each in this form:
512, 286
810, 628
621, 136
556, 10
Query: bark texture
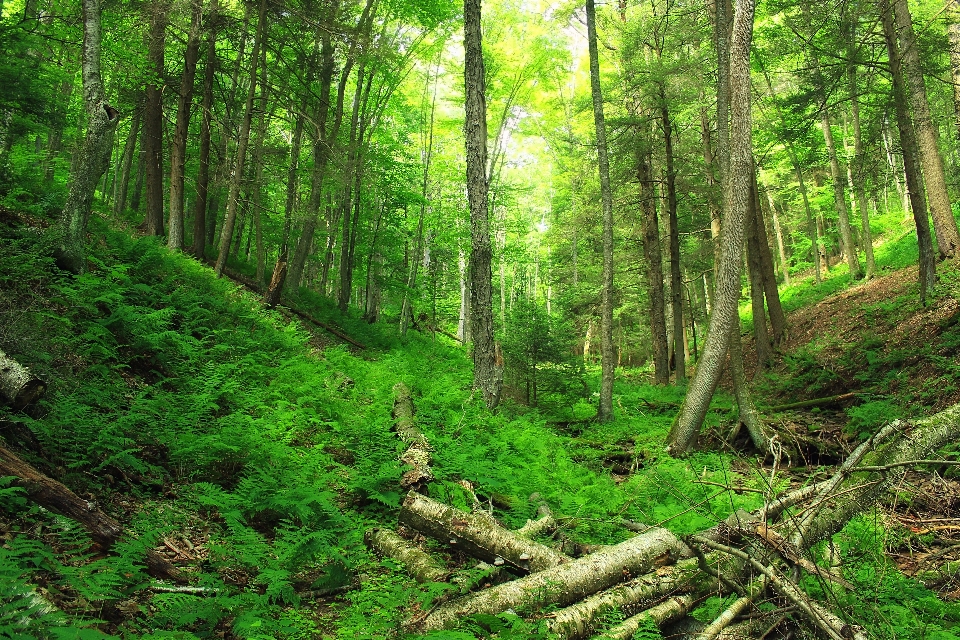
477, 534
486, 376
607, 360
654, 262
563, 584
17, 384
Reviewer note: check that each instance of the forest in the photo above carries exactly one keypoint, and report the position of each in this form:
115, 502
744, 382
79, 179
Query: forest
509, 319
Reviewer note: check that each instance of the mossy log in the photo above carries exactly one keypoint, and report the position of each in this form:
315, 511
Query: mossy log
18, 386
667, 611
563, 584
419, 564
478, 535
418, 450
52, 495
577, 620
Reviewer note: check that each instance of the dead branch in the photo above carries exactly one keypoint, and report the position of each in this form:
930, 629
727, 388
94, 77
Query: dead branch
816, 402
725, 619
56, 497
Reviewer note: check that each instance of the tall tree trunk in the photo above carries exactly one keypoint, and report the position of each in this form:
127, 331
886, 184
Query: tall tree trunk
206, 119
236, 179
126, 163
944, 224
485, 370
153, 119
736, 205
607, 361
654, 259
427, 151
778, 322
778, 234
761, 336
953, 33
353, 175
676, 283
94, 153
858, 165
840, 199
178, 148
911, 161
257, 160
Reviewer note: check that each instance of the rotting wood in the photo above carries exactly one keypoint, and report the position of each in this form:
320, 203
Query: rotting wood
667, 611
419, 564
478, 535
563, 584
17, 384
578, 619
418, 450
52, 495
816, 402
543, 525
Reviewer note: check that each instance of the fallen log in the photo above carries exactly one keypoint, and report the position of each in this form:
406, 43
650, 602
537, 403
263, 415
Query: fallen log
816, 402
418, 563
18, 385
563, 584
478, 535
663, 613
326, 327
578, 619
56, 497
418, 450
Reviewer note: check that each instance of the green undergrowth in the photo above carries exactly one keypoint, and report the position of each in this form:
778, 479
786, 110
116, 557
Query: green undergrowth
198, 418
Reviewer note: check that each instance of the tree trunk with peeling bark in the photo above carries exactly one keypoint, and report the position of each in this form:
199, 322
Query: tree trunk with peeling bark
419, 564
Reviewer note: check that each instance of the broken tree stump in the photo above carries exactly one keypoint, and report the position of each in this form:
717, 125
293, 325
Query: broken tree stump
478, 535
563, 584
419, 564
52, 495
418, 450
17, 384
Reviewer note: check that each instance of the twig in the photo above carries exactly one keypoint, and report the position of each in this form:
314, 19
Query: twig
826, 621
729, 488
908, 463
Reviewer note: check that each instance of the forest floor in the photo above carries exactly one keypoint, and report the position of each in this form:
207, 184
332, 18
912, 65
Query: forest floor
253, 451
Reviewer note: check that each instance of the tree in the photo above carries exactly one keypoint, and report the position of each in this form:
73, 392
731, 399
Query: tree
607, 361
178, 146
485, 374
94, 154
944, 224
736, 207
153, 118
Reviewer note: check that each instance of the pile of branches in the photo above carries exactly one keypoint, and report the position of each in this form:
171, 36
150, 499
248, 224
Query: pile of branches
656, 577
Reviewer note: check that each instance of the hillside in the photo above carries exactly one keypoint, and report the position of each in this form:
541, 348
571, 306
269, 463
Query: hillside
253, 452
